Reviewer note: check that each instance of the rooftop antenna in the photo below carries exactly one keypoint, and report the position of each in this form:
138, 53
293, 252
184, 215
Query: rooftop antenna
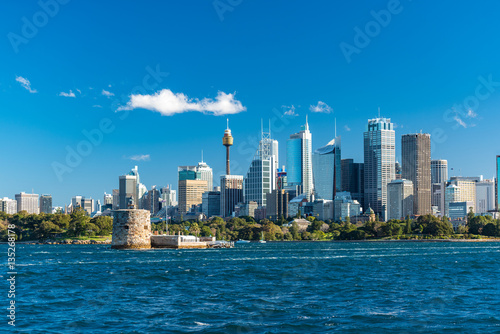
201, 155
227, 119
261, 127
269, 128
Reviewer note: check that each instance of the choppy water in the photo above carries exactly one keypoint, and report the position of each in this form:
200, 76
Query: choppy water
365, 287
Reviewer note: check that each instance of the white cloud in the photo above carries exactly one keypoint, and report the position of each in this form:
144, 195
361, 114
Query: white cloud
70, 94
471, 114
321, 107
347, 128
26, 84
79, 91
460, 122
140, 157
289, 110
97, 106
107, 93
168, 103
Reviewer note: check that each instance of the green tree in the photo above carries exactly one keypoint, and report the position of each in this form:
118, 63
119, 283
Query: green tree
78, 222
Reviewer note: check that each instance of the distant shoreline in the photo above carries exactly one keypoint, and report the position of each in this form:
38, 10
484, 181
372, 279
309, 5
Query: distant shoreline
108, 242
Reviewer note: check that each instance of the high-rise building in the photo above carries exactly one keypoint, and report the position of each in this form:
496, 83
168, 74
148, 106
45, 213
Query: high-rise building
231, 193
116, 199
345, 206
438, 190
416, 165
299, 161
327, 170
46, 204
485, 196
168, 196
439, 171
379, 163
497, 187
9, 206
27, 202
210, 205
108, 199
205, 173
88, 205
460, 189
152, 201
261, 176
130, 189
190, 194
353, 176
400, 195
399, 170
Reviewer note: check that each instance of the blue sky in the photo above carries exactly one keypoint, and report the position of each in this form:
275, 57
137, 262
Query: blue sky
431, 67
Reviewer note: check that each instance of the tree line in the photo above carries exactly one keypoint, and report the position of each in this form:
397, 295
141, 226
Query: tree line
45, 226
248, 228
79, 224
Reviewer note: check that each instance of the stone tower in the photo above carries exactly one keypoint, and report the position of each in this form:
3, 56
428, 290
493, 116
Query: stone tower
131, 229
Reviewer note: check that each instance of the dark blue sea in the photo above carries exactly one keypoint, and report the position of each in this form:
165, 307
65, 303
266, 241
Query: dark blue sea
287, 287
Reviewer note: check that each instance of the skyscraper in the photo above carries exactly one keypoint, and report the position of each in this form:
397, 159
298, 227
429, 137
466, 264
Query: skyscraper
128, 191
231, 193
8, 205
299, 160
27, 202
46, 204
327, 170
497, 187
168, 196
485, 196
211, 203
205, 173
108, 199
261, 176
116, 199
400, 199
353, 179
460, 189
152, 200
379, 163
416, 154
439, 171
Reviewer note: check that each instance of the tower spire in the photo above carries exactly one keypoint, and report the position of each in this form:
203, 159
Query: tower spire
201, 155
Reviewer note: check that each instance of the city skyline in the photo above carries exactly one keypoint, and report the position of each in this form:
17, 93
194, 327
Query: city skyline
86, 84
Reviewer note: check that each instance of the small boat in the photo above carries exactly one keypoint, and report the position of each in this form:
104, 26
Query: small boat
242, 241
262, 241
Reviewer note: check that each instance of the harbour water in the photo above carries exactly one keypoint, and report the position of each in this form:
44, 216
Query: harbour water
286, 287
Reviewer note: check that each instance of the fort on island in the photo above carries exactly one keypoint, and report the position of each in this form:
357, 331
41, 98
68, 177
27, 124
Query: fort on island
132, 230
